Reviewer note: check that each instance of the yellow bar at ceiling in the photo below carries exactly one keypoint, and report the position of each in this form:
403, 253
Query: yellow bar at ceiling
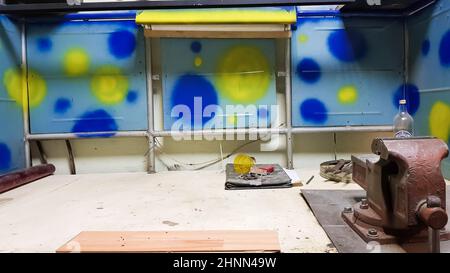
273, 15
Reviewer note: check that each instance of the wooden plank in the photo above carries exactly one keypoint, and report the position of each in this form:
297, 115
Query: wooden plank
217, 34
173, 241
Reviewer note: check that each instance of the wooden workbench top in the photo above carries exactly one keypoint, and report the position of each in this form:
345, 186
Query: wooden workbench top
44, 215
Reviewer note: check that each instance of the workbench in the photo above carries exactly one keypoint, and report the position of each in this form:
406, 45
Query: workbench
45, 214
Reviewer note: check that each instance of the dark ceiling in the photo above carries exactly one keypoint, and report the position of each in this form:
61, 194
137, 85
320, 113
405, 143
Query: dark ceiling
384, 5
40, 6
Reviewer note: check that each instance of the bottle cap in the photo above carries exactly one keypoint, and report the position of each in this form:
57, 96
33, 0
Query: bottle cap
402, 101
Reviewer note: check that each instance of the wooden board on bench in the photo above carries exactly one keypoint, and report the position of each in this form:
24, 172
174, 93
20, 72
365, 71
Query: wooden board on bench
173, 241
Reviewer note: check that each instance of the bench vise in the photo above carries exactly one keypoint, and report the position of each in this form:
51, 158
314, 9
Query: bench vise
406, 192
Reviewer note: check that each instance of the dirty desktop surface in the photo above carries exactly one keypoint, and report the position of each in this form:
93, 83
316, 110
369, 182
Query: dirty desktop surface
184, 200
121, 75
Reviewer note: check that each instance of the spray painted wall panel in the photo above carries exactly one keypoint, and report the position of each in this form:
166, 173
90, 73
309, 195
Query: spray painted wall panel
429, 71
12, 155
346, 71
87, 77
221, 72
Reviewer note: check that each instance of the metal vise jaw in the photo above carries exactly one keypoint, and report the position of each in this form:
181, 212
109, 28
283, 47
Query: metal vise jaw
405, 191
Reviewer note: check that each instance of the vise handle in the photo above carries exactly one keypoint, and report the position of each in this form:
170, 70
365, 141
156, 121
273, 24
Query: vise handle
432, 214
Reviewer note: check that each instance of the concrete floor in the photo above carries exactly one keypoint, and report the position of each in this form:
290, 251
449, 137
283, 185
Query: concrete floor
42, 216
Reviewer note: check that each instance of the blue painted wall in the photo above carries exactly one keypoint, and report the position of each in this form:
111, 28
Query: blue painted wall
89, 77
222, 72
346, 71
429, 70
12, 156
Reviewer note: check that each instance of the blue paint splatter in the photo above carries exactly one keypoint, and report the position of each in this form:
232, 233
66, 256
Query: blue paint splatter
410, 92
264, 116
314, 111
44, 44
263, 113
189, 86
132, 96
196, 46
5, 157
95, 121
308, 70
62, 105
444, 49
425, 47
347, 46
122, 44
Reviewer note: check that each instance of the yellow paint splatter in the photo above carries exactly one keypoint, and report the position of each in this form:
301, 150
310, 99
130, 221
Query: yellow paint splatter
439, 120
198, 61
303, 38
243, 74
347, 94
14, 81
76, 62
233, 120
243, 163
109, 85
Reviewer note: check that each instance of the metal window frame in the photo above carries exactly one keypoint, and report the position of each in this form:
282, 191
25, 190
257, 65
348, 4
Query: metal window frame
151, 134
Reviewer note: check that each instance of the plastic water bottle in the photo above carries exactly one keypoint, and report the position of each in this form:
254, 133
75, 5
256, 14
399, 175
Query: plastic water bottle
403, 122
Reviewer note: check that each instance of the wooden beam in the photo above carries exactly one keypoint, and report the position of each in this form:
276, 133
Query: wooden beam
173, 241
228, 31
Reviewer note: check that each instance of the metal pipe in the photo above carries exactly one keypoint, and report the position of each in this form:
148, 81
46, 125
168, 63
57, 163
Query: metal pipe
86, 135
435, 240
295, 130
150, 111
218, 132
42, 156
405, 52
421, 8
25, 108
16, 179
288, 94
71, 158
302, 130
352, 14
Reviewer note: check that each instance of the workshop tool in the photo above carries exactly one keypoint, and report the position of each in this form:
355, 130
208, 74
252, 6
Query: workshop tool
16, 179
405, 192
337, 170
262, 170
237, 181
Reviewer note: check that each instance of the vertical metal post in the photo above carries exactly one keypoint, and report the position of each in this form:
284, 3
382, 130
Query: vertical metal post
434, 238
25, 108
405, 52
150, 110
289, 146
